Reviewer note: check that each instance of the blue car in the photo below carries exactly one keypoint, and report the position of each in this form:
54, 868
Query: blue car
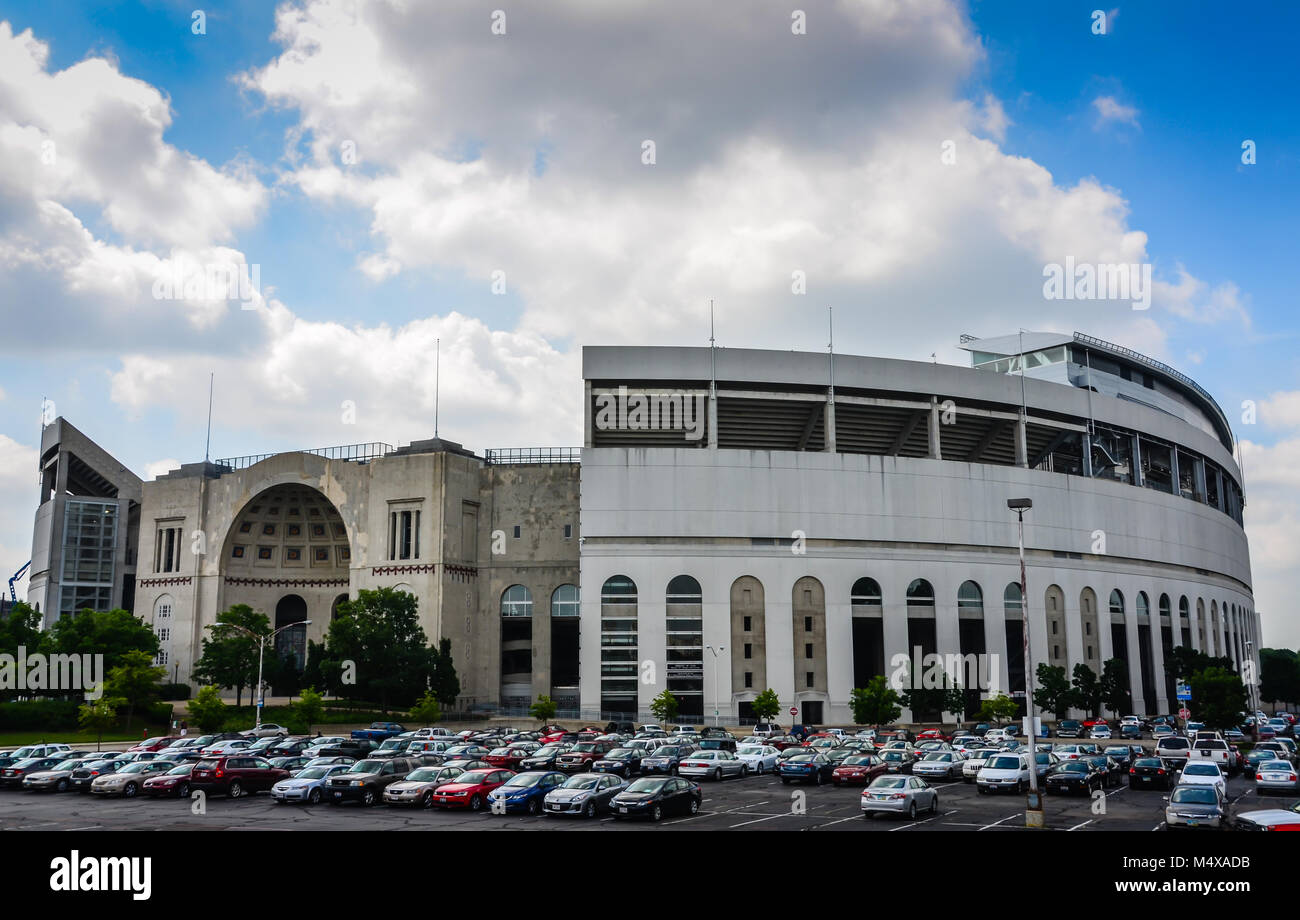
805, 768
524, 792
307, 785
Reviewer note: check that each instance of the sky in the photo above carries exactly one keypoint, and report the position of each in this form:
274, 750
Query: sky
408, 178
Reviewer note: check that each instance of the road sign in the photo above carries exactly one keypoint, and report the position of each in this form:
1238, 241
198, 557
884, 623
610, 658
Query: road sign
1184, 713
794, 710
1184, 692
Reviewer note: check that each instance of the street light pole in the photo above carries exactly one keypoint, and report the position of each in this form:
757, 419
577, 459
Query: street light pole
720, 648
261, 648
1033, 802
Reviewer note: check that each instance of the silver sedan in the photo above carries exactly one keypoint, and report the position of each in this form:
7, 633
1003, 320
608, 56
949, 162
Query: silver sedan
713, 764
939, 764
1276, 776
900, 795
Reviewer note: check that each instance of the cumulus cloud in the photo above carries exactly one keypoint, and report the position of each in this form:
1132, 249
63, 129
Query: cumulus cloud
1111, 110
18, 493
1272, 518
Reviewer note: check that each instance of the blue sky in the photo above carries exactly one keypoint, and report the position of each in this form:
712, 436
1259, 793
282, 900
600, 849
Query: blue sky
1186, 86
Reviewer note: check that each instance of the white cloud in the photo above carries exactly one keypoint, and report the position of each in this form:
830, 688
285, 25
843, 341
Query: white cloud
1281, 410
994, 119
19, 492
160, 468
1109, 109
1272, 516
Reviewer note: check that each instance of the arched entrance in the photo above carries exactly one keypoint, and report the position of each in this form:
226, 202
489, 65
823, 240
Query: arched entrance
290, 645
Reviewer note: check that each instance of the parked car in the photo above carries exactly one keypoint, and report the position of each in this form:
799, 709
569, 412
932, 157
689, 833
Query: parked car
267, 730
666, 758
378, 731
1004, 773
174, 782
1276, 776
418, 786
1150, 772
898, 761
12, 776
586, 794
291, 747
1111, 770
1195, 806
760, 758
89, 771
544, 757
154, 744
810, 766
655, 797
1071, 776
470, 789
1069, 728
1204, 774
939, 765
582, 755
57, 778
905, 795
713, 764
1268, 819
858, 770
970, 767
220, 748
234, 775
525, 791
366, 780
127, 781
622, 761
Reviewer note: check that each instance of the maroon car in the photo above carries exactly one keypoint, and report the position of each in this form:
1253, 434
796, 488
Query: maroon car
582, 755
234, 775
860, 769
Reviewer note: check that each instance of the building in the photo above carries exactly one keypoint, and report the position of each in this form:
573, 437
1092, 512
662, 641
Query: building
740, 520
757, 519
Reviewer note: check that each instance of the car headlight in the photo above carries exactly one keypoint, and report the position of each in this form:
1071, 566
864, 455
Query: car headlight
358, 782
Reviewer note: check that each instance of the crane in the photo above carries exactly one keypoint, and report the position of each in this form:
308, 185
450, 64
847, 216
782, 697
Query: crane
13, 595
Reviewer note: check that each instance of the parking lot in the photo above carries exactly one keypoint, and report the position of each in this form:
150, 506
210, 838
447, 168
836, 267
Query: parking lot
756, 803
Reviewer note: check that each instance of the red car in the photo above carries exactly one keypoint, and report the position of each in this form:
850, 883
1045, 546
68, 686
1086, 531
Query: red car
507, 758
580, 757
175, 781
932, 734
781, 742
470, 789
235, 775
1091, 722
154, 744
859, 769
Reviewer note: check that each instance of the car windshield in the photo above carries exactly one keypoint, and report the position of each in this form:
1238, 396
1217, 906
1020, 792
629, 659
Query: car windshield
135, 767
936, 757
619, 753
889, 782
1073, 766
1171, 743
893, 755
1194, 796
749, 749
367, 766
668, 751
857, 761
1201, 769
1275, 765
647, 785
500, 752
802, 758
524, 780
582, 781
1004, 763
314, 773
182, 770
583, 747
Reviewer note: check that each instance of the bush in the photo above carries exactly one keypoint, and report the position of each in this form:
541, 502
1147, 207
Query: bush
173, 691
39, 715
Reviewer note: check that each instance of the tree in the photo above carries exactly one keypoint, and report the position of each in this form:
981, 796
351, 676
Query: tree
378, 638
665, 707
1114, 686
1053, 694
1279, 675
766, 705
1182, 662
1088, 693
942, 695
111, 633
1219, 697
230, 654
544, 709
208, 710
426, 710
309, 708
875, 704
134, 682
98, 717
1000, 708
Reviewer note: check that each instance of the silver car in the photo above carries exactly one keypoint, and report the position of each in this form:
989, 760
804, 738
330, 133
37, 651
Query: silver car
1195, 806
585, 794
900, 795
1270, 776
307, 785
714, 764
417, 788
127, 781
939, 765
57, 778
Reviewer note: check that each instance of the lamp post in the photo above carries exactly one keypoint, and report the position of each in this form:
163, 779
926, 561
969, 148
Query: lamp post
261, 647
720, 648
1034, 801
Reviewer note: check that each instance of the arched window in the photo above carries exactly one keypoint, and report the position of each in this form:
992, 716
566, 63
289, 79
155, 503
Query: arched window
618, 589
1116, 601
1143, 605
970, 597
920, 594
564, 601
334, 607
516, 601
865, 593
683, 589
1166, 608
1183, 608
1012, 599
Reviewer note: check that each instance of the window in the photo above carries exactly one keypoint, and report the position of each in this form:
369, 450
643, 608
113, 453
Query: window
516, 531
1087, 629
749, 678
1053, 622
167, 550
807, 650
1090, 651
809, 678
749, 624
1012, 598
564, 601
866, 592
161, 658
749, 650
1056, 649
404, 534
920, 594
163, 633
516, 601
568, 531
807, 624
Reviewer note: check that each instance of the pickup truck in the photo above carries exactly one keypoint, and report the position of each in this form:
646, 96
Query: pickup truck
378, 731
1214, 751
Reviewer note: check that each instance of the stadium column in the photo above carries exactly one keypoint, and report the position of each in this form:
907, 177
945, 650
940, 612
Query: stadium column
587, 440
1158, 657
1022, 442
895, 634
1134, 662
1074, 644
948, 641
995, 646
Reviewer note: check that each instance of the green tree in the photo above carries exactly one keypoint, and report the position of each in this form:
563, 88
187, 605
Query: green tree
1219, 697
98, 717
1182, 662
309, 708
111, 633
932, 694
1114, 686
665, 707
377, 636
766, 705
443, 681
229, 657
1088, 693
1279, 675
875, 704
208, 710
1000, 708
135, 682
1053, 694
544, 709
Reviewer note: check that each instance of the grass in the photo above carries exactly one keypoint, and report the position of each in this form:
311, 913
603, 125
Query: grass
75, 738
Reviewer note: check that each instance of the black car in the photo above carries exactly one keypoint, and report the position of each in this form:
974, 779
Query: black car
1074, 776
717, 743
622, 728
291, 748
1069, 728
366, 780
654, 797
349, 747
898, 761
622, 761
1150, 773
11, 777
544, 757
1112, 773
1121, 755
87, 773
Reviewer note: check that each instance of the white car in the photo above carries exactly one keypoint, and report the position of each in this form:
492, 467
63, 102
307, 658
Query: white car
716, 764
1100, 733
997, 736
1204, 774
223, 747
1274, 776
975, 759
760, 758
1004, 773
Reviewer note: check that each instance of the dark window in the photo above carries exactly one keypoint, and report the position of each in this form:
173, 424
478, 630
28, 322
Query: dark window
568, 531
810, 678
807, 650
749, 650
516, 531
749, 678
749, 624
807, 624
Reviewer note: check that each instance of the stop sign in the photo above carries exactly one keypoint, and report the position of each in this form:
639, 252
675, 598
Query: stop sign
794, 710
1184, 713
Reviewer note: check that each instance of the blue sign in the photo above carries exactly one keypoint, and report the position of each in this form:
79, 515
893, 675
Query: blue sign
1184, 692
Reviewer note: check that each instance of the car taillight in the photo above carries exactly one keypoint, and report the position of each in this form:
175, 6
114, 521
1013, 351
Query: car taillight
220, 773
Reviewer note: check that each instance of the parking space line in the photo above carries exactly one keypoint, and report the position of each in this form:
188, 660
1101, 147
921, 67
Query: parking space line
996, 823
857, 817
88, 827
784, 814
1077, 826
917, 823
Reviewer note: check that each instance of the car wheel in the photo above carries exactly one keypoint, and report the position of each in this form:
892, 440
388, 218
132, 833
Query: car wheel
694, 807
129, 791
62, 786
818, 774
934, 805
589, 810
717, 775
235, 790
760, 768
657, 814
476, 803
785, 780
368, 797
313, 798
911, 810
534, 807
744, 770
